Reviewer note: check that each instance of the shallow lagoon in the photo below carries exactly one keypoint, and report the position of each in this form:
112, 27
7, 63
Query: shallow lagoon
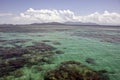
77, 47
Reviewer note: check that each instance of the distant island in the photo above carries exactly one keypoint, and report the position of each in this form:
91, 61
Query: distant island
65, 23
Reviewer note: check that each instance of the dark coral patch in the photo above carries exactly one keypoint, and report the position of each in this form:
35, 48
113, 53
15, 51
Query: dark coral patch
72, 70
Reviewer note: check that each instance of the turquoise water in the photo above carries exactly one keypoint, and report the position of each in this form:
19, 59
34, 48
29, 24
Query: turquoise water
105, 54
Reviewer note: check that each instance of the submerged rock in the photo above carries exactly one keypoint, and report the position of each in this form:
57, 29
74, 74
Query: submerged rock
46, 41
6, 53
11, 65
90, 61
59, 52
72, 70
56, 43
41, 47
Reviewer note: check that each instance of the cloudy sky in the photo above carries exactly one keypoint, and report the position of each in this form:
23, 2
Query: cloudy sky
39, 11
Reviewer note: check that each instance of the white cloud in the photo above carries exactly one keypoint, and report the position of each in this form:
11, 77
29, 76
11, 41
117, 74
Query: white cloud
44, 15
105, 18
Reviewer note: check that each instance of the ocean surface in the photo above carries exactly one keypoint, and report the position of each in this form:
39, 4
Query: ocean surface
75, 43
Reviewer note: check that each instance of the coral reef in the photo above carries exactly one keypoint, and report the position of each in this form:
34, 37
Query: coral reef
72, 70
12, 59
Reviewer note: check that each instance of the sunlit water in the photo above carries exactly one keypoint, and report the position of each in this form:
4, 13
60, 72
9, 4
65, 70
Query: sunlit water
78, 48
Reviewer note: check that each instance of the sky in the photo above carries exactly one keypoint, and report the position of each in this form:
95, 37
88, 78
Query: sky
32, 11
